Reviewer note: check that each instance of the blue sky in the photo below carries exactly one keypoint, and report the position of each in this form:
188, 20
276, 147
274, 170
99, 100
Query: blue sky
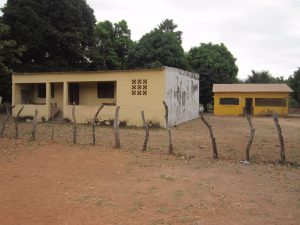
261, 34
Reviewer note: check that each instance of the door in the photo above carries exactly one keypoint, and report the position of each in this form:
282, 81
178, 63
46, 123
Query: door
74, 93
249, 106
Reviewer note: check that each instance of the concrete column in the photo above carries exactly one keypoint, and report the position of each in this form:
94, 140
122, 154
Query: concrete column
48, 99
65, 98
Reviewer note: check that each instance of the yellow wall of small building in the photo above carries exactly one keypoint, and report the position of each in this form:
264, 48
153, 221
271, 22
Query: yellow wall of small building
236, 110
130, 105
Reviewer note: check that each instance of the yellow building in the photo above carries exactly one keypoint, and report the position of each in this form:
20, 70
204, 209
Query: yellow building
132, 90
254, 99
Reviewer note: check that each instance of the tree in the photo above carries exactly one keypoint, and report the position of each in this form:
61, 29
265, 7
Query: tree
113, 44
10, 53
159, 47
215, 64
294, 83
58, 35
262, 77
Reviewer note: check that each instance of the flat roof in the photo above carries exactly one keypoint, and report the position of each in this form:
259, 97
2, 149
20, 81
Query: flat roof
251, 88
96, 71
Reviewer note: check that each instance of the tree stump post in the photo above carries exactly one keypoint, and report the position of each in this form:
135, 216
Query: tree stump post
213, 139
74, 131
281, 140
94, 123
16, 120
171, 152
116, 129
250, 139
6, 119
52, 122
34, 125
146, 131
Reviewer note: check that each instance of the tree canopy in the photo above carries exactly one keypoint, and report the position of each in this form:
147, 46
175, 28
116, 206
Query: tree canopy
294, 83
263, 77
113, 45
215, 64
10, 53
57, 35
161, 46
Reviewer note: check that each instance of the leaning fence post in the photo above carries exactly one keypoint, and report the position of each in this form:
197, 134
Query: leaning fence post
74, 133
213, 139
146, 130
168, 128
116, 128
281, 140
16, 120
94, 123
250, 140
34, 124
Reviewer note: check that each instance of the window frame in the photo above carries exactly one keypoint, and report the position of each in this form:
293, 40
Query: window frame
230, 103
41, 90
107, 91
281, 102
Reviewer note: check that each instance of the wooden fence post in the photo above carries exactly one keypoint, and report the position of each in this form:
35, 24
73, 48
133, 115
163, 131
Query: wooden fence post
213, 139
16, 120
94, 123
74, 133
116, 128
34, 124
168, 128
6, 119
281, 140
146, 130
250, 139
52, 122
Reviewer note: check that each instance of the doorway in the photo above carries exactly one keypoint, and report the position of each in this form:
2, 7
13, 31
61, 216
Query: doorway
249, 106
74, 93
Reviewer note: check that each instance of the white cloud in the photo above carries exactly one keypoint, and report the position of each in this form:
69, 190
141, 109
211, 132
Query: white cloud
261, 34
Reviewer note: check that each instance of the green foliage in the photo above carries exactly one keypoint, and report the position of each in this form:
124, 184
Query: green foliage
215, 64
113, 44
294, 83
58, 35
161, 46
10, 53
263, 77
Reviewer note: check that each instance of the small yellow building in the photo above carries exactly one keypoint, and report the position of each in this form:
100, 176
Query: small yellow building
132, 90
254, 99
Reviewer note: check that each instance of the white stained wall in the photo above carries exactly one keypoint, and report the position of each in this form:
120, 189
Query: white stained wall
182, 95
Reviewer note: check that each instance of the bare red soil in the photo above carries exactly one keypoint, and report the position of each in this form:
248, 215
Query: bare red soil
43, 183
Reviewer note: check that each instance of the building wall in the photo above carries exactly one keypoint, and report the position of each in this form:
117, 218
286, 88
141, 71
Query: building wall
258, 110
182, 95
130, 105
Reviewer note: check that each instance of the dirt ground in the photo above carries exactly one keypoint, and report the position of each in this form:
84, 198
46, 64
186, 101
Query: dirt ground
60, 183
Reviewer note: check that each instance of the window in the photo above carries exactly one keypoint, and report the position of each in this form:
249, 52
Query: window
139, 87
52, 90
41, 90
106, 89
229, 101
275, 102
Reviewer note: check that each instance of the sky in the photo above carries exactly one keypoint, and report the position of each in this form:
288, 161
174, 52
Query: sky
261, 34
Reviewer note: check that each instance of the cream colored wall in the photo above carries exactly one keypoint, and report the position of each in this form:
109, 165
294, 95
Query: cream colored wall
258, 110
29, 110
130, 106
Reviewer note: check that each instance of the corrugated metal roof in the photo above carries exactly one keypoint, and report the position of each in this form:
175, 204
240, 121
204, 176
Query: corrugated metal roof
251, 88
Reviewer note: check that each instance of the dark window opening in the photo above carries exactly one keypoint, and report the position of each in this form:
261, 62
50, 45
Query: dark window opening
106, 89
52, 90
41, 90
275, 102
229, 101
